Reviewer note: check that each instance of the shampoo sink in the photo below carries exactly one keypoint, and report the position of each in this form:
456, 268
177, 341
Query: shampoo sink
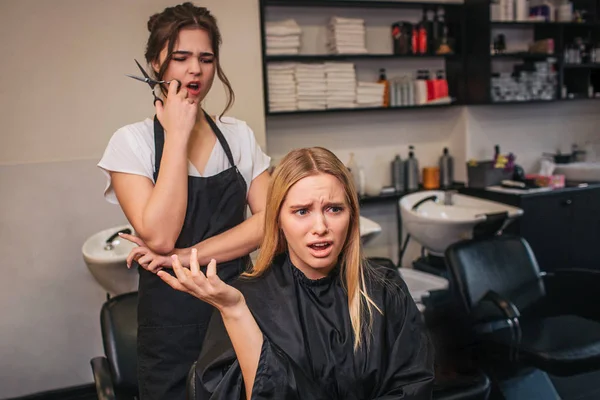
105, 254
437, 219
368, 229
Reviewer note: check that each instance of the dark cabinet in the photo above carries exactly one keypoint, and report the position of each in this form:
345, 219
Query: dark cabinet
562, 226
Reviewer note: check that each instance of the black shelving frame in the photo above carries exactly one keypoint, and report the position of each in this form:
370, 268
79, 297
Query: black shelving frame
479, 37
453, 12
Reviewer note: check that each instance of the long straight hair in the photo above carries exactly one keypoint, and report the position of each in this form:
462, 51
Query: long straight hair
295, 166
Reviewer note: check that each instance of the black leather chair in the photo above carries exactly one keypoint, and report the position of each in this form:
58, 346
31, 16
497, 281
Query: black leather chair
115, 374
520, 316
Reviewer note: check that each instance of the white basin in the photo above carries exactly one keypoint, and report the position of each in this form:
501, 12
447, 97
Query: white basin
436, 226
579, 171
368, 229
109, 266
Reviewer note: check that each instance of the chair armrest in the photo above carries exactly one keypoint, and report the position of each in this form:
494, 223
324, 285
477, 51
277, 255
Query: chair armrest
494, 312
499, 304
102, 378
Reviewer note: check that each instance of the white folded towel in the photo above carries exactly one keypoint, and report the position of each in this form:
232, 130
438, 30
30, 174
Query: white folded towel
291, 40
346, 21
281, 67
349, 51
283, 102
283, 45
282, 81
306, 105
310, 88
346, 29
341, 82
283, 52
310, 74
282, 73
340, 105
282, 89
369, 84
283, 28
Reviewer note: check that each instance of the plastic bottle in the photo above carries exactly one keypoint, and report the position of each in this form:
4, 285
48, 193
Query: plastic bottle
386, 93
446, 169
398, 174
411, 171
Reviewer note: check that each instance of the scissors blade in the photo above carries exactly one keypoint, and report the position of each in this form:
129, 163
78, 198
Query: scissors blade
148, 80
138, 78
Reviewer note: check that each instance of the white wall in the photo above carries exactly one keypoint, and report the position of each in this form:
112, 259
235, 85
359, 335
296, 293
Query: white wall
63, 94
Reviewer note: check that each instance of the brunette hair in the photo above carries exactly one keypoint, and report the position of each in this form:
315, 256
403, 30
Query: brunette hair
299, 164
164, 29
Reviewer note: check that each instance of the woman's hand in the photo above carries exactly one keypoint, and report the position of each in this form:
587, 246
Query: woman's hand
209, 288
178, 114
147, 259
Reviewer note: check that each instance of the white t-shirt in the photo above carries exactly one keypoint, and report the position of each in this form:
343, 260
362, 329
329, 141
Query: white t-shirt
131, 150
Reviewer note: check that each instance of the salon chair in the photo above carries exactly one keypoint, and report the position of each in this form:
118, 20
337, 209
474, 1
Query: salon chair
115, 374
466, 382
519, 317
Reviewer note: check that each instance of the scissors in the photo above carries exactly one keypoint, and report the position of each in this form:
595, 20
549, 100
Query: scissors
151, 82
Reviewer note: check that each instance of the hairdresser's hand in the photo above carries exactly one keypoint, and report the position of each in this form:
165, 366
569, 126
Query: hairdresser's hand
147, 259
209, 288
178, 113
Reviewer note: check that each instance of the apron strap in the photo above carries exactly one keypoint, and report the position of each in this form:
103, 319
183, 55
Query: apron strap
221, 138
159, 142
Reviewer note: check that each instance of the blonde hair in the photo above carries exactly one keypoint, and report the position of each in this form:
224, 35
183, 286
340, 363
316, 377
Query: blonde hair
295, 166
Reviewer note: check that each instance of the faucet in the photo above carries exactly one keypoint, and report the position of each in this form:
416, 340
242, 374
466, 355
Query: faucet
449, 197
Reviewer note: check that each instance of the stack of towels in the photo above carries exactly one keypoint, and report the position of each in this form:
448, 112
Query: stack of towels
283, 37
282, 87
346, 36
311, 86
341, 85
369, 94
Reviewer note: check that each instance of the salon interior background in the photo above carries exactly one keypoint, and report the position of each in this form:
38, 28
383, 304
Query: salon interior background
63, 93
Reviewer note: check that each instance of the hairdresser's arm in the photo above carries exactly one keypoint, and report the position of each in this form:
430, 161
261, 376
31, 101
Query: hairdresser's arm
234, 243
157, 211
244, 333
241, 239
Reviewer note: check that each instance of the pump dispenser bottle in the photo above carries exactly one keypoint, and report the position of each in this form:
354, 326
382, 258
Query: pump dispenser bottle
446, 169
411, 171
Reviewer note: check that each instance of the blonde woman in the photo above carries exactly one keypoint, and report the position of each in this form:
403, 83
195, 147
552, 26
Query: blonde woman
312, 319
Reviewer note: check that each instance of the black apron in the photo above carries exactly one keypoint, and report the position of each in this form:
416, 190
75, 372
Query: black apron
172, 324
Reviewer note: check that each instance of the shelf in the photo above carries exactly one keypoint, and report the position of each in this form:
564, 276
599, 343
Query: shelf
535, 101
581, 66
497, 103
338, 57
529, 24
356, 3
349, 110
524, 55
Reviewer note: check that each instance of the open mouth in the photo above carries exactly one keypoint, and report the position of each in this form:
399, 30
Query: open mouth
320, 246
193, 88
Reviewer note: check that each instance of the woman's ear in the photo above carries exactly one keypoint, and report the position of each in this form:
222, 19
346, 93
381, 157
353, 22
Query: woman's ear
155, 67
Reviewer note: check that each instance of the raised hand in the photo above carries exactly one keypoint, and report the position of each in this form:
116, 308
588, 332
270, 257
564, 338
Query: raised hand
209, 288
178, 114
